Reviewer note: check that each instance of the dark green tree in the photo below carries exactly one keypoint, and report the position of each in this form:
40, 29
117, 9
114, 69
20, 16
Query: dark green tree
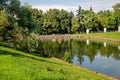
80, 19
75, 25
3, 4
116, 13
38, 17
25, 18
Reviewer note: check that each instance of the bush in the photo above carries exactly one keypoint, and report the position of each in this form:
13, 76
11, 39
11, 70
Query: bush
66, 56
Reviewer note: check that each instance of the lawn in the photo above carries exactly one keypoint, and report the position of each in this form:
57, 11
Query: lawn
18, 65
110, 35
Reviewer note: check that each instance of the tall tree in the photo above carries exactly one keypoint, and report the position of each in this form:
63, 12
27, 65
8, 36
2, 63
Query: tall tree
14, 7
3, 4
90, 20
4, 18
80, 18
51, 21
103, 17
116, 8
38, 17
25, 18
75, 25
65, 19
71, 15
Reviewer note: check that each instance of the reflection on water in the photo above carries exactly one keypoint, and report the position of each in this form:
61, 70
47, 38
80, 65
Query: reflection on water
100, 57
105, 44
53, 40
118, 47
87, 42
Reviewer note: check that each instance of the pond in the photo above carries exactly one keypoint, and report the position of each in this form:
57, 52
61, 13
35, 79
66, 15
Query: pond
97, 56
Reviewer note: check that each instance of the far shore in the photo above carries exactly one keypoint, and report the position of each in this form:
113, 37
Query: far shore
81, 36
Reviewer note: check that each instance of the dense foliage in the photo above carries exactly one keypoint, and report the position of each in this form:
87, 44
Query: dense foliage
56, 21
19, 24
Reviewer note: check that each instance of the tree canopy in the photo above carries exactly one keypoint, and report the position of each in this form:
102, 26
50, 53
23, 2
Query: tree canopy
55, 21
22, 24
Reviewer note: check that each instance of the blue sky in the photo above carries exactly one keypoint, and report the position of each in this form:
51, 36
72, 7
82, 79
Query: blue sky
69, 5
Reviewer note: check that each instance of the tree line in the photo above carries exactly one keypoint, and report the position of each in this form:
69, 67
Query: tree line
20, 23
56, 21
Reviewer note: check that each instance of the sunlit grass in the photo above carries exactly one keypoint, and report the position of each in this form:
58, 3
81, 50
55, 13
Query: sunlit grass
17, 65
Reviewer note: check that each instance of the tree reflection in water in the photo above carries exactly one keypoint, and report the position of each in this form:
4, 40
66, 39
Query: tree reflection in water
57, 48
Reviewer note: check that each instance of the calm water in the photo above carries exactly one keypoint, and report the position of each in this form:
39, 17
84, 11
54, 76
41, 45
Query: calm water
100, 57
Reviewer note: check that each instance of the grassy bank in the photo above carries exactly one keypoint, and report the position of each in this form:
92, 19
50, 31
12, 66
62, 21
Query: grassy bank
17, 65
109, 35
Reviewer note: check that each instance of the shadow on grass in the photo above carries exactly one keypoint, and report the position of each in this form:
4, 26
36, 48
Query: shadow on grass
3, 52
4, 44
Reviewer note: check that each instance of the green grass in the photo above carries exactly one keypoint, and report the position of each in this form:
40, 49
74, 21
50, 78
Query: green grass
5, 44
110, 35
17, 65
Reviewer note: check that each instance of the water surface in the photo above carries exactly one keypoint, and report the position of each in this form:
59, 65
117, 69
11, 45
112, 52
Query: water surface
100, 57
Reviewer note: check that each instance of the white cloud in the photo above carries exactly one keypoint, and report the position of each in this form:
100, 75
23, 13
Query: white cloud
47, 7
97, 5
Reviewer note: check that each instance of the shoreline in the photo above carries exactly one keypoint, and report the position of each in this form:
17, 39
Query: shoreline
63, 62
79, 67
68, 37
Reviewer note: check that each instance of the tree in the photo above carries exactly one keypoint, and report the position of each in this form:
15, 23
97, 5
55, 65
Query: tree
104, 21
71, 15
80, 18
25, 18
65, 19
4, 18
19, 38
65, 25
14, 7
116, 8
51, 21
75, 25
66, 56
32, 42
103, 17
4, 24
3, 4
90, 20
112, 23
38, 17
